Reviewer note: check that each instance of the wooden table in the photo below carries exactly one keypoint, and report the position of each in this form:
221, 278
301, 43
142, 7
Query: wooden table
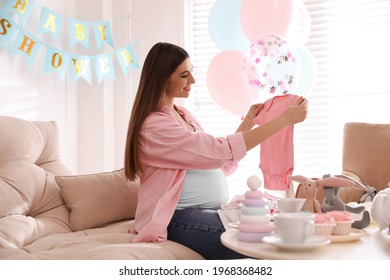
373, 244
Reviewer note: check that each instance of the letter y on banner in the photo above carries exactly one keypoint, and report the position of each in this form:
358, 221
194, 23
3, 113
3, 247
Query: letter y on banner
102, 33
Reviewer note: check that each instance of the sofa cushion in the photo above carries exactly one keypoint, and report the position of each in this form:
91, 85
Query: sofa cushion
112, 242
29, 156
31, 205
98, 199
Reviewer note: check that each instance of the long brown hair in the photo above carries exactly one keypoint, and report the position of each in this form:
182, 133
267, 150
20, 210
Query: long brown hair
161, 61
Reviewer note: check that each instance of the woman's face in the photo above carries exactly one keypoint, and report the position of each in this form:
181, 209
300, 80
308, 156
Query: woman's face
179, 84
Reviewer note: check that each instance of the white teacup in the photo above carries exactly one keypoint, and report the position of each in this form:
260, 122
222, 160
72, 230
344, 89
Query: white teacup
290, 204
294, 228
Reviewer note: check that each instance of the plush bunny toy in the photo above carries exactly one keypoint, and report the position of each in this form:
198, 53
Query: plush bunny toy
310, 189
331, 201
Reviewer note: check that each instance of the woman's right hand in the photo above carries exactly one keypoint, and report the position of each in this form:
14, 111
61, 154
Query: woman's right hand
296, 113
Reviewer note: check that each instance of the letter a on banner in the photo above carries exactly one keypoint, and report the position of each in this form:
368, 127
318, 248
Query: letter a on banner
50, 22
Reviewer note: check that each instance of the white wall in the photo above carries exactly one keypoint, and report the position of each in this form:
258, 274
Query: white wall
26, 92
92, 118
154, 21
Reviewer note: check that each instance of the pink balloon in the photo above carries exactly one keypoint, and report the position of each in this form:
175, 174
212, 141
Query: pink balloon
265, 17
228, 84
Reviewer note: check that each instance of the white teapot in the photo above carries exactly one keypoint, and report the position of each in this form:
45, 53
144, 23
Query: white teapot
380, 210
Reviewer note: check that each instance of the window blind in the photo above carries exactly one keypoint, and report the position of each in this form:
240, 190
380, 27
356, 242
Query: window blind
350, 40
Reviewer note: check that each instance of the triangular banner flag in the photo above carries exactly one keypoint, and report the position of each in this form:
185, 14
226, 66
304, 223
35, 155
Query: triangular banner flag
56, 60
102, 33
26, 45
81, 67
127, 59
8, 29
51, 22
104, 66
79, 33
22, 8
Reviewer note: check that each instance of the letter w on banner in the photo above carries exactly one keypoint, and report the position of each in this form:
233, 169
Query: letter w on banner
81, 67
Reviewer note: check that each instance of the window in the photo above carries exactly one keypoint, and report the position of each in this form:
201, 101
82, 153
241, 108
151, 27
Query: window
349, 40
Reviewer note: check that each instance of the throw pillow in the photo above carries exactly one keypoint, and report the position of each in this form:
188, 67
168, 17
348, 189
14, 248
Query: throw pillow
98, 199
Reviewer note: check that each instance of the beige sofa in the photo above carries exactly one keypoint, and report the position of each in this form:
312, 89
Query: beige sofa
47, 213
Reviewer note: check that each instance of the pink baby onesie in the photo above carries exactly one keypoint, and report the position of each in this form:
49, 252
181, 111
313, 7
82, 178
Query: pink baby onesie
277, 152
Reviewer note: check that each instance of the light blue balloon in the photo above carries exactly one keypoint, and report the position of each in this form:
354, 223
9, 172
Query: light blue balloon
225, 27
307, 71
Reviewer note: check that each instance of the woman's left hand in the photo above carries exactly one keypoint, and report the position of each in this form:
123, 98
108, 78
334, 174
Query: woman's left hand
253, 111
247, 121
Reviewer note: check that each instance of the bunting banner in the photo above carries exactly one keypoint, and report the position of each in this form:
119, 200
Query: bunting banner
13, 35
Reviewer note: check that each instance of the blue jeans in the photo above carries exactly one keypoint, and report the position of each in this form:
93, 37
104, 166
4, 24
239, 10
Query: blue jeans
200, 230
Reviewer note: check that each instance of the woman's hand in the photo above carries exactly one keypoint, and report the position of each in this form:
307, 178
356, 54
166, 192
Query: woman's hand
296, 113
253, 111
247, 122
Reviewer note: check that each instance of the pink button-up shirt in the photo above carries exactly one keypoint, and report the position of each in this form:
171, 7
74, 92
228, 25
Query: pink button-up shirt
167, 150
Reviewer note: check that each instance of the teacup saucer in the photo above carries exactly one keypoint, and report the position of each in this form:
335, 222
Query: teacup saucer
385, 233
354, 235
312, 243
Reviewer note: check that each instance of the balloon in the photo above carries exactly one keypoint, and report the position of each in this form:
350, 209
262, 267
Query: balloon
300, 25
228, 85
265, 17
275, 63
307, 71
225, 27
